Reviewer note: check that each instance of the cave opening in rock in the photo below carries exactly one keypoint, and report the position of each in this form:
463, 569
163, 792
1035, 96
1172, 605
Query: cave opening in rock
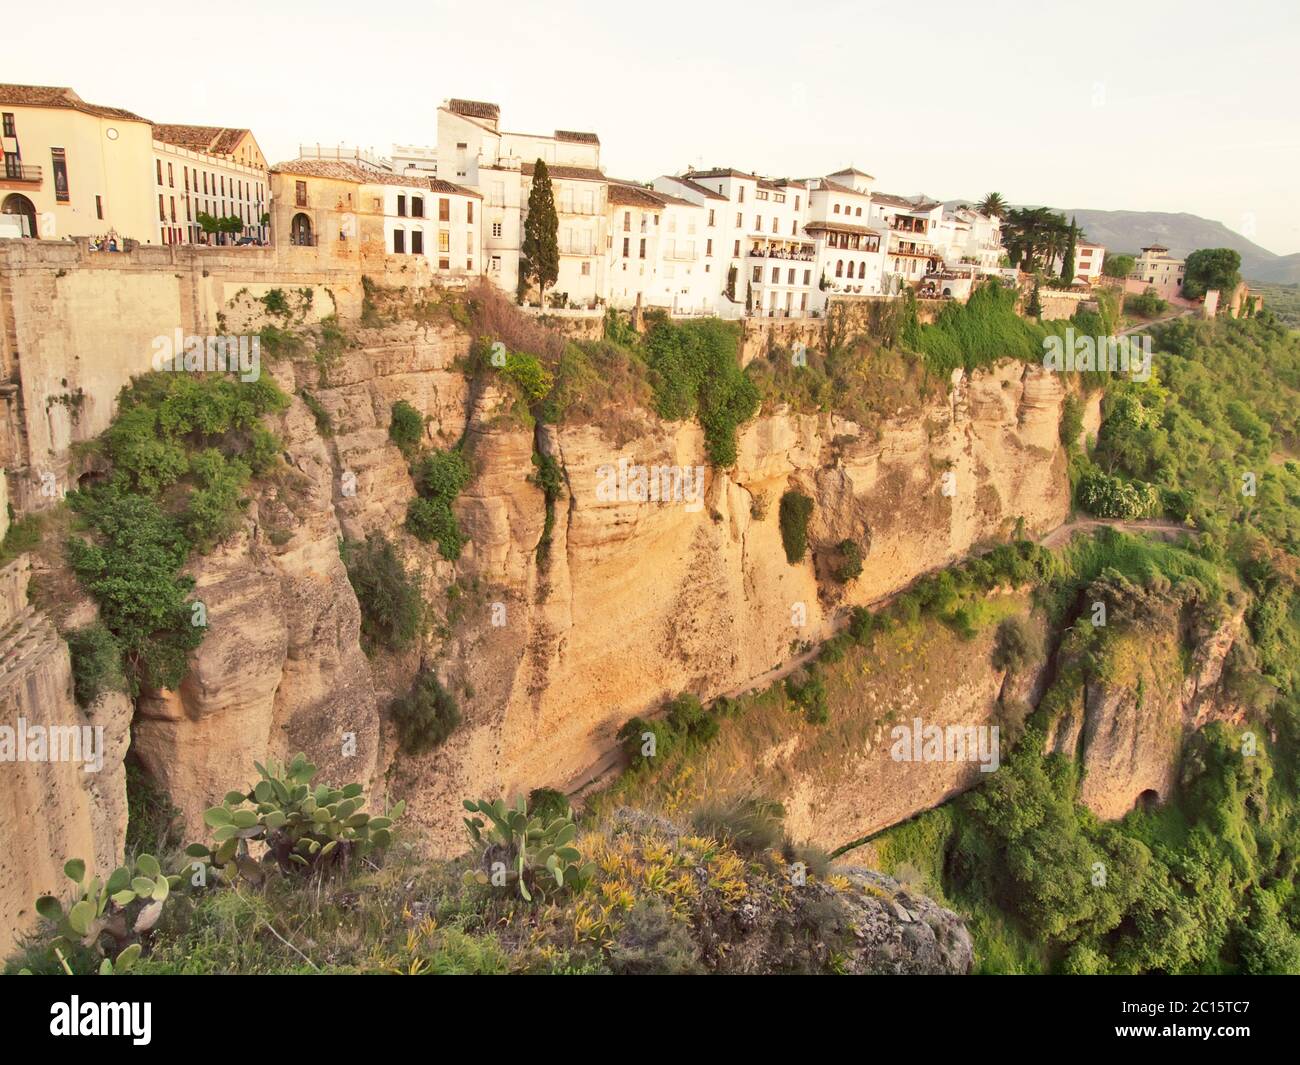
1148, 800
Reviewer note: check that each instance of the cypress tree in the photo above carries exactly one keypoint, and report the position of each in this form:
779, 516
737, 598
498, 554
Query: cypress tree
1067, 266
541, 244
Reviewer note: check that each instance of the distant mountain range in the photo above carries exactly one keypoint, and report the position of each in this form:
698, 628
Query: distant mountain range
1129, 231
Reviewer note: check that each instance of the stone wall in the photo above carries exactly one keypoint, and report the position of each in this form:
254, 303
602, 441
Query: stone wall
848, 315
77, 325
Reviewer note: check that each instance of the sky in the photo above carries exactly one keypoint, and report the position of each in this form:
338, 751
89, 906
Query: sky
1107, 105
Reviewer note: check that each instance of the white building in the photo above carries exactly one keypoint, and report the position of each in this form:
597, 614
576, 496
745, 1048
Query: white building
656, 244
849, 252
473, 151
1156, 267
910, 253
1088, 261
208, 170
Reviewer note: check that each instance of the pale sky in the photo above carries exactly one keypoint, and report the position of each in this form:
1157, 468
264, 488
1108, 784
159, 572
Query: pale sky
1188, 106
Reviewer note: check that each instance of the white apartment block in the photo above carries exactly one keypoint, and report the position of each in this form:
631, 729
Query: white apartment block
849, 252
910, 252
657, 251
1088, 261
212, 171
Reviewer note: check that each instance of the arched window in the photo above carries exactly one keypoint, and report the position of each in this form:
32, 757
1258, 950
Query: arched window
26, 211
839, 267
300, 230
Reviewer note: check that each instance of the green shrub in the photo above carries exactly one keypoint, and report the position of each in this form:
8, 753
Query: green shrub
133, 570
632, 738
96, 663
431, 520
1015, 644
807, 691
848, 562
529, 375
795, 511
752, 826
425, 716
392, 606
406, 427
688, 718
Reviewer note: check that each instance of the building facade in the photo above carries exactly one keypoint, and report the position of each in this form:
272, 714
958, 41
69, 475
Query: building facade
1160, 270
73, 168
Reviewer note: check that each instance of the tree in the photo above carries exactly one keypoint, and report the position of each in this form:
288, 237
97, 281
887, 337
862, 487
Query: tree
541, 243
1035, 307
1067, 264
1120, 265
992, 205
1209, 268
1033, 236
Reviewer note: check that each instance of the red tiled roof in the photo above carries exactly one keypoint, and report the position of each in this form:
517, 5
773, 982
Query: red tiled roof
211, 140
577, 138
695, 186
625, 194
572, 173
339, 170
57, 96
474, 109
841, 227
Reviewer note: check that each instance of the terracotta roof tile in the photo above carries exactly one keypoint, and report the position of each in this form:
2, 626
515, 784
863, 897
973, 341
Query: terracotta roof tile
695, 186
572, 173
340, 170
577, 138
57, 96
211, 140
474, 109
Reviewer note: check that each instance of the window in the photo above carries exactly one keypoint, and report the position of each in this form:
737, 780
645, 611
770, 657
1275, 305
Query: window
417, 242
758, 223
790, 277
444, 264
173, 199
740, 221
162, 209
469, 212
444, 209
710, 216
627, 221
761, 194
835, 209
417, 206
399, 241
186, 171
496, 264
708, 246
776, 275
99, 200
299, 191
735, 251
401, 205
758, 273
469, 263
158, 167
586, 269
496, 229
9, 124
859, 212
742, 194
627, 241
444, 241
839, 267
643, 247
803, 302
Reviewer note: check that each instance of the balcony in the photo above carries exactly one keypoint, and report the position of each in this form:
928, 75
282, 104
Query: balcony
805, 253
30, 175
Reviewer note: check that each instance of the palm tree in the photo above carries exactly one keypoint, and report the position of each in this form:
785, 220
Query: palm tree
993, 205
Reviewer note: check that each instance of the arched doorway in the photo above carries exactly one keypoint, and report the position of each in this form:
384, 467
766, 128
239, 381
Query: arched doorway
1147, 801
20, 205
300, 230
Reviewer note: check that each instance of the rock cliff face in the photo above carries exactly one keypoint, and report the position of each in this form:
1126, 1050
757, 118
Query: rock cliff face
634, 602
1127, 730
71, 800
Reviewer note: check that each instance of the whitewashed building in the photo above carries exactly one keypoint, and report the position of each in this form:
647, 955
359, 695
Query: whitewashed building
910, 253
656, 244
849, 252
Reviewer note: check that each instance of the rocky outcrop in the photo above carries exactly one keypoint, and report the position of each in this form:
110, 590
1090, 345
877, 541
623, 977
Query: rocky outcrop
62, 781
1127, 728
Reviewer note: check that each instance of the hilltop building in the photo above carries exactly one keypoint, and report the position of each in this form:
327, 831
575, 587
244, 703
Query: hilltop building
73, 168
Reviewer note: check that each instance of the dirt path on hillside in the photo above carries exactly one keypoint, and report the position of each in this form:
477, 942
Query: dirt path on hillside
603, 772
